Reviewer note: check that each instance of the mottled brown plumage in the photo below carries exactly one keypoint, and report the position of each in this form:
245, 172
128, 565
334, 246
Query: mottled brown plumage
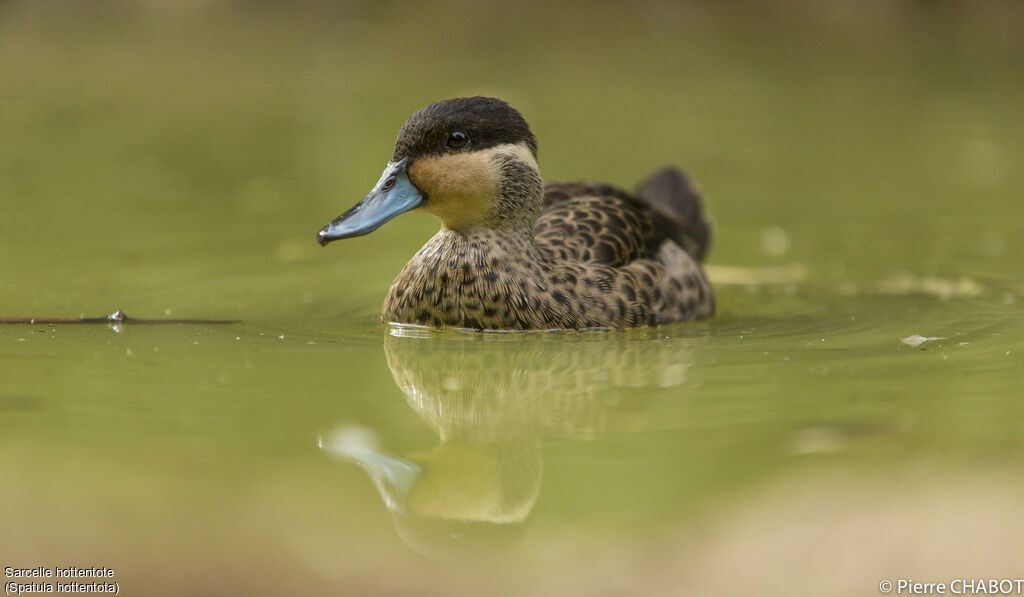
515, 254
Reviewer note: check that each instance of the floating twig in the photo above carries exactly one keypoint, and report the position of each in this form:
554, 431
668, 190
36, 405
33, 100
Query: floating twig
117, 317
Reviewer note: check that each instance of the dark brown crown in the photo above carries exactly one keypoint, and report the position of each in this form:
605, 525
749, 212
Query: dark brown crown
486, 120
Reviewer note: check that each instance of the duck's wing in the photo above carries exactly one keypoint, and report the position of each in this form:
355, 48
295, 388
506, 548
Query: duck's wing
599, 223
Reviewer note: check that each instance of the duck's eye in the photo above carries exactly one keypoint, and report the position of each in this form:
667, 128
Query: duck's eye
458, 140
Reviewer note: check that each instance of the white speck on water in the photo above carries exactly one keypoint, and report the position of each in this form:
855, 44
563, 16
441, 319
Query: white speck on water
945, 357
238, 337
167, 312
128, 352
917, 340
21, 339
195, 342
310, 342
964, 344
281, 337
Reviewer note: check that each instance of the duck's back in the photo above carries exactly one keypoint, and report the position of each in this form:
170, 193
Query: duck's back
642, 250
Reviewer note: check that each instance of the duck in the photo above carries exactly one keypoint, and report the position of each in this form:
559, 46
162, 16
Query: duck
516, 253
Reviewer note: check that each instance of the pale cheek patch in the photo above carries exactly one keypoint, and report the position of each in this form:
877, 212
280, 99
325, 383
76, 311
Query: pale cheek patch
460, 187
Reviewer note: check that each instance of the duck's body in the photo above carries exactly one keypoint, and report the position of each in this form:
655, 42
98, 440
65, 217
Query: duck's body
596, 258
514, 254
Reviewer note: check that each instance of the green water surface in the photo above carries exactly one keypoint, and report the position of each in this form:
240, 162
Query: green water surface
864, 175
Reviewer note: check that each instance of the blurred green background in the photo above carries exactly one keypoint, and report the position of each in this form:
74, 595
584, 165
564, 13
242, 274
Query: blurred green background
861, 162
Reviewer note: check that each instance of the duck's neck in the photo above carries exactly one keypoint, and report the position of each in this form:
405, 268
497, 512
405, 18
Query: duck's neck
520, 196
479, 248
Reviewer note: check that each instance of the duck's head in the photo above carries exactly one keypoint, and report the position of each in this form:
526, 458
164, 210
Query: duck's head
472, 162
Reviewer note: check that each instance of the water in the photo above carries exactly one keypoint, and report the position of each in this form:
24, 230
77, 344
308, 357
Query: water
864, 190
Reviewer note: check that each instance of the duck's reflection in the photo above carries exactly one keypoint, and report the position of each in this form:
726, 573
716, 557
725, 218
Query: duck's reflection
493, 400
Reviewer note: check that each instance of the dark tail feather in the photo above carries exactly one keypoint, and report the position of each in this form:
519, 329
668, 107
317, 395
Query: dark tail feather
671, 194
